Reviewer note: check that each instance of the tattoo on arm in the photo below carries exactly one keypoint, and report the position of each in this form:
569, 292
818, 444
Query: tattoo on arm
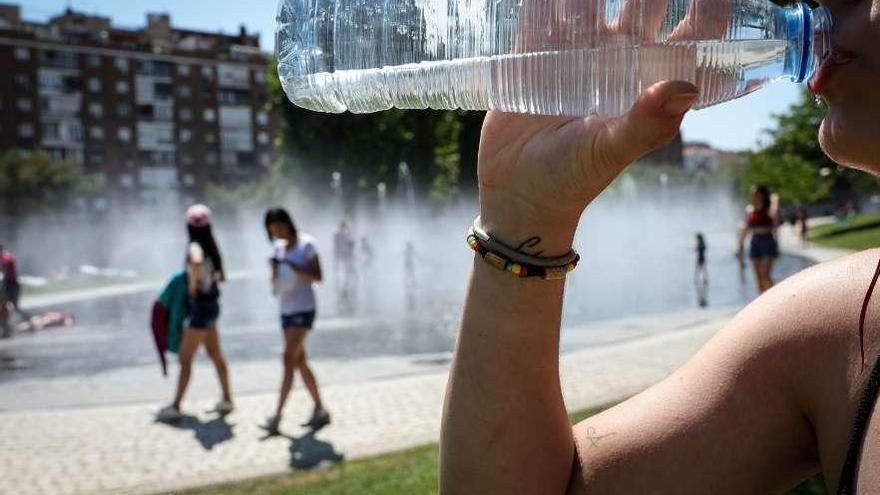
595, 438
531, 243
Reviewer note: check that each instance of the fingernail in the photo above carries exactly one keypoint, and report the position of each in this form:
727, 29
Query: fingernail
679, 104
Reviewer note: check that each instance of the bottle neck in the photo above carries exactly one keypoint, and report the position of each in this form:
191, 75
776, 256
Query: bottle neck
808, 32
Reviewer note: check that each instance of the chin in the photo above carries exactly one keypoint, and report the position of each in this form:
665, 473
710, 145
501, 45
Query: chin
851, 143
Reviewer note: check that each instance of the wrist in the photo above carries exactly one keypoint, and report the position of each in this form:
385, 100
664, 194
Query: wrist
514, 223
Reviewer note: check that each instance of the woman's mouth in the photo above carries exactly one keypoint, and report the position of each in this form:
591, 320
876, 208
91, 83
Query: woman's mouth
835, 59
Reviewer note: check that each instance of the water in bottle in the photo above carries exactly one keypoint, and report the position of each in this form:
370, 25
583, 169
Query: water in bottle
554, 57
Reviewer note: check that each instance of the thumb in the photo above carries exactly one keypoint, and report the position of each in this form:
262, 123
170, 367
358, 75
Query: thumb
652, 122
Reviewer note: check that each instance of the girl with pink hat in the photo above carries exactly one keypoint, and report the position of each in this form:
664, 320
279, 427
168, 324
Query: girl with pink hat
204, 268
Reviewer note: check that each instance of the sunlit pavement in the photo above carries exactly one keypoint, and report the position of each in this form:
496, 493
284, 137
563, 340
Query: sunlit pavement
120, 449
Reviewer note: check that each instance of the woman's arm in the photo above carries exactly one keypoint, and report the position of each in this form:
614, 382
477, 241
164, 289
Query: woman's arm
311, 272
731, 421
195, 260
505, 428
741, 233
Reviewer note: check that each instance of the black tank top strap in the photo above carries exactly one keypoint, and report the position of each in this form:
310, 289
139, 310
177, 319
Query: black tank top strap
847, 485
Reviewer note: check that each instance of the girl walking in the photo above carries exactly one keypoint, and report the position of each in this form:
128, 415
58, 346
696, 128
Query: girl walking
204, 269
295, 269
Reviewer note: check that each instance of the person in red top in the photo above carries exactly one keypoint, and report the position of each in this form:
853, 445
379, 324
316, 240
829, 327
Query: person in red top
761, 220
11, 287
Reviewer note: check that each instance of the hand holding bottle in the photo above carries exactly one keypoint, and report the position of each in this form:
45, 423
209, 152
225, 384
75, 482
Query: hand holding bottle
537, 174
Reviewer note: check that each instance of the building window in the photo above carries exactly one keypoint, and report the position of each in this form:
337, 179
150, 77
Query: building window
164, 112
183, 70
22, 54
96, 157
122, 87
121, 64
263, 138
207, 72
188, 179
124, 134
26, 130
186, 159
123, 110
96, 110
74, 133
211, 158
24, 105
96, 133
126, 180
23, 80
184, 91
210, 115
210, 138
93, 61
265, 159
185, 135
186, 114
94, 85
51, 131
263, 118
260, 76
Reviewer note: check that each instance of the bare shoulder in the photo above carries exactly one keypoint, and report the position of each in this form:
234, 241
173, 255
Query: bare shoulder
821, 305
810, 326
775, 391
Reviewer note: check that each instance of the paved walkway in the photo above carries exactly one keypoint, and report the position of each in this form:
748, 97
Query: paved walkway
119, 449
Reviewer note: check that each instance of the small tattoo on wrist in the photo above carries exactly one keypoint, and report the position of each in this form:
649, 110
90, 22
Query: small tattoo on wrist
595, 438
531, 243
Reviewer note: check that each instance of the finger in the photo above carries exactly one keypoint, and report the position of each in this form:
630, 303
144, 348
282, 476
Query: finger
653, 121
549, 25
642, 19
705, 20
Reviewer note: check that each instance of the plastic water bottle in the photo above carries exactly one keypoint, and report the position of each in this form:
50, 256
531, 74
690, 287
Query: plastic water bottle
555, 57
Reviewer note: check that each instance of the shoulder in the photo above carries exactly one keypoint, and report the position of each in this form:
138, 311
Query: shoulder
816, 342
306, 241
805, 332
195, 253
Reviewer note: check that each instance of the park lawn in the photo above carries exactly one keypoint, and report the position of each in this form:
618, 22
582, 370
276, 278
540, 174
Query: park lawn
409, 472
861, 232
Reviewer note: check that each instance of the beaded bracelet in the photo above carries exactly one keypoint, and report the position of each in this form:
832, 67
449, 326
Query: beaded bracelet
517, 268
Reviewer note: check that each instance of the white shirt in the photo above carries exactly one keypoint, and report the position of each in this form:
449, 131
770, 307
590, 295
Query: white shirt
295, 293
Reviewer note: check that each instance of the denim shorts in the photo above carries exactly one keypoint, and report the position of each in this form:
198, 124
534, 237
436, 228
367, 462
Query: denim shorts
203, 314
763, 246
304, 319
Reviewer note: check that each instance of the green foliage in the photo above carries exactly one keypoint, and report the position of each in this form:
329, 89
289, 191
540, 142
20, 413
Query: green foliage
368, 148
795, 179
271, 189
856, 233
33, 180
794, 165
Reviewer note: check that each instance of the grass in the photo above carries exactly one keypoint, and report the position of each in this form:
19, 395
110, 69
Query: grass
858, 233
409, 472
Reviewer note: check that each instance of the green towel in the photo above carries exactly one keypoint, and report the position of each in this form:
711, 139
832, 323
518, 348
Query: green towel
174, 297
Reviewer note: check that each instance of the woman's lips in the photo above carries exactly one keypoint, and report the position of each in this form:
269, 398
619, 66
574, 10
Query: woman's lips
822, 80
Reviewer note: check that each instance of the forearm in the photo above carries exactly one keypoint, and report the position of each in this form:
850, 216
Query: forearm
505, 428
306, 273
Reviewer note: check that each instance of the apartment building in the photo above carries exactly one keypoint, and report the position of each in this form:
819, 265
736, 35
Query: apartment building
156, 111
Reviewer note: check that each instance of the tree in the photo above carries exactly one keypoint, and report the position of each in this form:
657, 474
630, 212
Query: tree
367, 149
794, 165
31, 181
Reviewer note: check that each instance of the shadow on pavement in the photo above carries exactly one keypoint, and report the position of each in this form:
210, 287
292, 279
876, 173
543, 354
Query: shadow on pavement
208, 433
307, 452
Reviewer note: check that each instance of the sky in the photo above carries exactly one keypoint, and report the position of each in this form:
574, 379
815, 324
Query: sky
737, 125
